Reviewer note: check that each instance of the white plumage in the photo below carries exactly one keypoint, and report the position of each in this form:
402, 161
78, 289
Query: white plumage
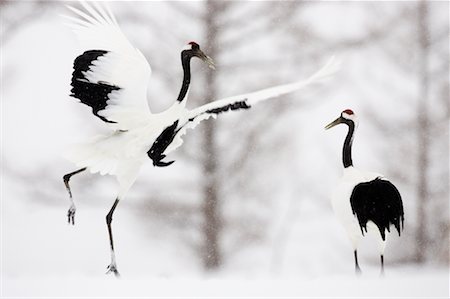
340, 202
111, 77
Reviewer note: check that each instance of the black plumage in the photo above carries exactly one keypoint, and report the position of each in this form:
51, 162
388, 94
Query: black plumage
235, 106
93, 94
378, 201
160, 145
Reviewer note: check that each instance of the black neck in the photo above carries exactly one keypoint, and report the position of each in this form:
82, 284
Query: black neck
186, 62
347, 150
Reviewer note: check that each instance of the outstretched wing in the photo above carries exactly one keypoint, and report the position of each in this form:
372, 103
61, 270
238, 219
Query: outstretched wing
246, 101
380, 202
111, 76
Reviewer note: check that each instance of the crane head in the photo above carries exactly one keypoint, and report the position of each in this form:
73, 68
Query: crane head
192, 49
346, 117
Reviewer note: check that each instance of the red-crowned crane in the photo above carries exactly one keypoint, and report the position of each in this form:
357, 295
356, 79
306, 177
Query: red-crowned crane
111, 77
364, 200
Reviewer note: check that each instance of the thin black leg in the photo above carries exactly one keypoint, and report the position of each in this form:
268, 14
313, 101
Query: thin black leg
382, 265
112, 267
357, 268
72, 209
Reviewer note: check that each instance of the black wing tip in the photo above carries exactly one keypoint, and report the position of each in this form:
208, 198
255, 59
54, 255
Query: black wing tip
235, 106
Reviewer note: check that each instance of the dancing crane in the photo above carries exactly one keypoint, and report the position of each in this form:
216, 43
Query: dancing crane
111, 77
364, 200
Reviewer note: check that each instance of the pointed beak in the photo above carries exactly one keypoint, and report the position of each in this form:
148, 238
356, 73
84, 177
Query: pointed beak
206, 59
334, 123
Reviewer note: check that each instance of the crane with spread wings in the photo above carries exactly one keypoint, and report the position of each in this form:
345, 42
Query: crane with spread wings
111, 77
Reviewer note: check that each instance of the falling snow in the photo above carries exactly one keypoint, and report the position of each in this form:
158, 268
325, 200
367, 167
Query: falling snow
277, 165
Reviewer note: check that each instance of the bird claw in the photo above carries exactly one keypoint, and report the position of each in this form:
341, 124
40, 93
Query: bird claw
112, 268
71, 215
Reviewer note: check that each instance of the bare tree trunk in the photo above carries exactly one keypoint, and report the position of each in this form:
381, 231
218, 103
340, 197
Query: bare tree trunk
423, 132
211, 204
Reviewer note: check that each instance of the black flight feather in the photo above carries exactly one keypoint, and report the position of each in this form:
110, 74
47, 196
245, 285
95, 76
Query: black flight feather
156, 152
235, 106
92, 94
378, 201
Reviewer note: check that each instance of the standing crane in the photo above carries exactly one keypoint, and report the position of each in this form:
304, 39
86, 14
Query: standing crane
112, 77
364, 200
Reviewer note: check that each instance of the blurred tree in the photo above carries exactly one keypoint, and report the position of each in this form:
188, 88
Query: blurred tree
423, 129
418, 48
223, 167
229, 145
429, 119
212, 216
417, 44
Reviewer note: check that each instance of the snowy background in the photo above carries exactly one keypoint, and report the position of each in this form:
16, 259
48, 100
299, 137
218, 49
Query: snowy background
268, 171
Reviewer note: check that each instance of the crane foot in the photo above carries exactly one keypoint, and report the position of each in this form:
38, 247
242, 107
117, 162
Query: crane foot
112, 268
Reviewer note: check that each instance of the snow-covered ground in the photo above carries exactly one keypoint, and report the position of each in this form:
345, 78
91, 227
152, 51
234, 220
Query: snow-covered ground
399, 285
303, 251
42, 256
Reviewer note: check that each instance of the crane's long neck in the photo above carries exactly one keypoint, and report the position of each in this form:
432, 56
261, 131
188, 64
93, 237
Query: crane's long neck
347, 150
186, 62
